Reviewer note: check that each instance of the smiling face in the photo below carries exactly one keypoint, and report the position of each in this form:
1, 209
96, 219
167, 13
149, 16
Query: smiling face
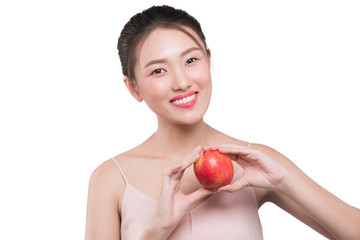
173, 75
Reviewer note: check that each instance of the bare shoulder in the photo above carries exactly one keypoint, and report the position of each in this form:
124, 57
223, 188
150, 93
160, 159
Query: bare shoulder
277, 156
105, 173
103, 208
106, 179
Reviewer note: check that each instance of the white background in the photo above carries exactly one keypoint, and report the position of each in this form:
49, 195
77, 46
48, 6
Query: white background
285, 74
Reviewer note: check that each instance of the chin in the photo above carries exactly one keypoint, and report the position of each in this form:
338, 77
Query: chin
190, 118
189, 122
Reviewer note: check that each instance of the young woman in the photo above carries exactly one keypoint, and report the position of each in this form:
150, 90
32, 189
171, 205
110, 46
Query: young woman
150, 191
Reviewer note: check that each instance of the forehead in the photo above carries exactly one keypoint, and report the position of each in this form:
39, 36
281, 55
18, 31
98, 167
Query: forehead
164, 42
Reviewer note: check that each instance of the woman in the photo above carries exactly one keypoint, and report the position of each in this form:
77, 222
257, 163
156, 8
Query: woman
150, 191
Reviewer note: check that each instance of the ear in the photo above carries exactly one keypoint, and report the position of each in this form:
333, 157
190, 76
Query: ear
133, 89
208, 52
208, 55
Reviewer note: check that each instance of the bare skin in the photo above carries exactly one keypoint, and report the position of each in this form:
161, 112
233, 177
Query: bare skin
148, 177
161, 167
153, 167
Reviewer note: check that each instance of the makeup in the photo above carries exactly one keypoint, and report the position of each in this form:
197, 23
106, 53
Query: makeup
186, 100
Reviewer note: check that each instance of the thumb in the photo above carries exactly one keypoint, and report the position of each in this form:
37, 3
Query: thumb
235, 186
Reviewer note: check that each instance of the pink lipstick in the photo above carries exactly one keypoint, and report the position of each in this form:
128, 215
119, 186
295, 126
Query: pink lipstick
186, 100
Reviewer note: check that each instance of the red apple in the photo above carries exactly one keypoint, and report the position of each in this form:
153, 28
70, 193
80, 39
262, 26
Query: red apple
214, 169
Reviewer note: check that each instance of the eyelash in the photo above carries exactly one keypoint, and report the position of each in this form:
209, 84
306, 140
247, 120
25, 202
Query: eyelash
160, 70
157, 71
191, 60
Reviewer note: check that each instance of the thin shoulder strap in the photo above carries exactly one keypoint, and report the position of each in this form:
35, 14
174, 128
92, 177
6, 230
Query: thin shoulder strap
249, 144
121, 172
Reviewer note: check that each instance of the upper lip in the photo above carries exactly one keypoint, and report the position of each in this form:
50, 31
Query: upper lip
181, 96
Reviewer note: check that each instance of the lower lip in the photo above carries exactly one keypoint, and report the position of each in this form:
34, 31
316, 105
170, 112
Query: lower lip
188, 104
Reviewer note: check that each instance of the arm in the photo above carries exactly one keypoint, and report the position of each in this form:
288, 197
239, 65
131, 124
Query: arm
341, 220
288, 204
290, 189
102, 218
105, 191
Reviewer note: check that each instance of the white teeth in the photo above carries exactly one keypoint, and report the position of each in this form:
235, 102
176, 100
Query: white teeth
185, 100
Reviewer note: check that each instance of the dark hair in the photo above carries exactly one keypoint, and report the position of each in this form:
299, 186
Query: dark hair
142, 24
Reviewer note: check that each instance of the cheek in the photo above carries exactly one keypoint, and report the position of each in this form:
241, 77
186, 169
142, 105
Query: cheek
203, 76
151, 89
155, 90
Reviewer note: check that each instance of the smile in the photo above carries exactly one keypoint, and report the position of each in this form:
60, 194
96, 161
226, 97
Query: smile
186, 100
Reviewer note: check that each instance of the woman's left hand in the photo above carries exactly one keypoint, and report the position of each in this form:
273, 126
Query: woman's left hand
259, 170
322, 211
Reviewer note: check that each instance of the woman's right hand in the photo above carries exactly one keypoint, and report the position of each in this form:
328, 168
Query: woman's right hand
173, 203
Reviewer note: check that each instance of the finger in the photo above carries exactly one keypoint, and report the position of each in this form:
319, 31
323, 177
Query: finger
225, 146
237, 185
209, 148
247, 153
217, 147
236, 153
233, 157
200, 194
193, 157
231, 146
170, 178
170, 171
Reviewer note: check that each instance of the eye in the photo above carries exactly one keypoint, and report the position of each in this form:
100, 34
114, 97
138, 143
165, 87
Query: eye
191, 60
158, 71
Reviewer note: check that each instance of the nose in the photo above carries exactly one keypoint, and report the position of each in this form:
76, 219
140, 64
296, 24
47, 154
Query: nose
181, 81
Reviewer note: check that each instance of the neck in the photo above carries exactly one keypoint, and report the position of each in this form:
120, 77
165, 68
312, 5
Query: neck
180, 140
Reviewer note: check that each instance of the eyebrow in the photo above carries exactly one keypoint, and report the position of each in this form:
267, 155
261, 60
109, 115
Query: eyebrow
164, 60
